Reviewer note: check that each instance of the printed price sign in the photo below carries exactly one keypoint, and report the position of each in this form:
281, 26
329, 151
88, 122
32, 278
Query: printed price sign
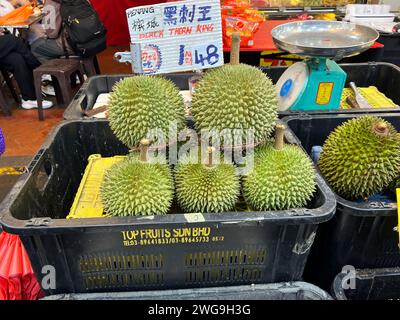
176, 36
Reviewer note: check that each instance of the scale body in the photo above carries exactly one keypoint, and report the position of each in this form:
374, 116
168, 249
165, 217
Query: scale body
314, 84
317, 82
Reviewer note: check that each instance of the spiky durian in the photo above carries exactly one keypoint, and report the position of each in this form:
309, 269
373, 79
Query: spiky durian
134, 187
283, 177
361, 157
141, 103
206, 187
235, 97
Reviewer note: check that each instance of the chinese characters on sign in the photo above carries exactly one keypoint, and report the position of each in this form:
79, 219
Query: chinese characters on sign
177, 36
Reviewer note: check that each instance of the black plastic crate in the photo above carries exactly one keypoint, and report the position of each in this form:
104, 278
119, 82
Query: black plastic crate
385, 76
391, 49
90, 254
370, 284
86, 97
273, 291
361, 234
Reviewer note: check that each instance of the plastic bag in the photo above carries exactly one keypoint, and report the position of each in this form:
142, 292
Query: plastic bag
17, 279
239, 16
246, 29
18, 16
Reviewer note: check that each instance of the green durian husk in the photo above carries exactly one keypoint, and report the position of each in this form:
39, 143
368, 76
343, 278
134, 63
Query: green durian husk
236, 97
357, 161
202, 188
136, 188
141, 103
280, 180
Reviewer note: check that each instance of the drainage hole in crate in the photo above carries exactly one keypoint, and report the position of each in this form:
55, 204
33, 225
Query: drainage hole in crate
119, 262
226, 257
235, 265
238, 274
112, 280
42, 177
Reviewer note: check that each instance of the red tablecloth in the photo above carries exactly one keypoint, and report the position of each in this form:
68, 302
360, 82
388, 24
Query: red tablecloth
263, 39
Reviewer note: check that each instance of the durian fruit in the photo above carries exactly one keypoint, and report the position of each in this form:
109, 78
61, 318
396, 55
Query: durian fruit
361, 157
283, 177
135, 187
141, 103
235, 96
206, 187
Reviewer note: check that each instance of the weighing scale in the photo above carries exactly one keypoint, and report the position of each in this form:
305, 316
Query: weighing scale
317, 82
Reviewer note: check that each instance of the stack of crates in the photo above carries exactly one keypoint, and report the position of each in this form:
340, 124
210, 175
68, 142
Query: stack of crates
177, 250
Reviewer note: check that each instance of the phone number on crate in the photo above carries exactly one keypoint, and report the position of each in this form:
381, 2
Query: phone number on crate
144, 242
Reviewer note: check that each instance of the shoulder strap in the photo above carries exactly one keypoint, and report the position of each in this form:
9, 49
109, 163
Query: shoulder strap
63, 35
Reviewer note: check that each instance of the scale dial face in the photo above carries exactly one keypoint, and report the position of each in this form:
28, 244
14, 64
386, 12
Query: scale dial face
291, 85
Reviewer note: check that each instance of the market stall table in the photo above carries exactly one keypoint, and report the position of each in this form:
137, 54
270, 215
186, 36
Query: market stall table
24, 26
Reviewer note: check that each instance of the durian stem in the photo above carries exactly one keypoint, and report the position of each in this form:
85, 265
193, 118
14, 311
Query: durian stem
235, 48
279, 134
144, 147
381, 129
210, 151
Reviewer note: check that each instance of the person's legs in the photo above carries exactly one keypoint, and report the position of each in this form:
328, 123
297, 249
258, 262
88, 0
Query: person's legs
10, 43
46, 49
16, 64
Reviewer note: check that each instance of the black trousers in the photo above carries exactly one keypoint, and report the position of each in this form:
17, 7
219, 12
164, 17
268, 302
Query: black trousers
16, 58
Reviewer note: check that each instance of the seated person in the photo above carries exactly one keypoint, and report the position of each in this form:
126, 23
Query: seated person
47, 38
16, 58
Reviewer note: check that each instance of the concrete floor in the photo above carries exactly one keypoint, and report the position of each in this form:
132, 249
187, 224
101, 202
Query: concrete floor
8, 180
24, 133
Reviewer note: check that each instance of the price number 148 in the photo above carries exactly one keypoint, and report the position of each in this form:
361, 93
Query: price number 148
205, 55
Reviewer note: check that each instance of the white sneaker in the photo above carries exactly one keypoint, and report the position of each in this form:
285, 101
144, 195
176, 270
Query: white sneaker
46, 77
48, 90
32, 104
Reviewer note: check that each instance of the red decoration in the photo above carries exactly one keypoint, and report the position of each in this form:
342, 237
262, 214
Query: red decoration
17, 279
112, 14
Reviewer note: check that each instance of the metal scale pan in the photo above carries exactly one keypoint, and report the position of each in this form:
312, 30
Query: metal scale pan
321, 38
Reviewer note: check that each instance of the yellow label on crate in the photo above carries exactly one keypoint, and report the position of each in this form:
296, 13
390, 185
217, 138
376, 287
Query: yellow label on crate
398, 211
163, 236
324, 93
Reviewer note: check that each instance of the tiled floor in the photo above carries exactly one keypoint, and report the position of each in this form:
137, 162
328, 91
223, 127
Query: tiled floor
23, 132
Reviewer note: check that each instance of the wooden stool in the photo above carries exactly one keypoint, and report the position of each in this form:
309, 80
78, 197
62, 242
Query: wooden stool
90, 65
3, 103
60, 70
4, 106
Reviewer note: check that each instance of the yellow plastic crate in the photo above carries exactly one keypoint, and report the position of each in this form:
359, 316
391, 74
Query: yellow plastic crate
375, 98
87, 202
